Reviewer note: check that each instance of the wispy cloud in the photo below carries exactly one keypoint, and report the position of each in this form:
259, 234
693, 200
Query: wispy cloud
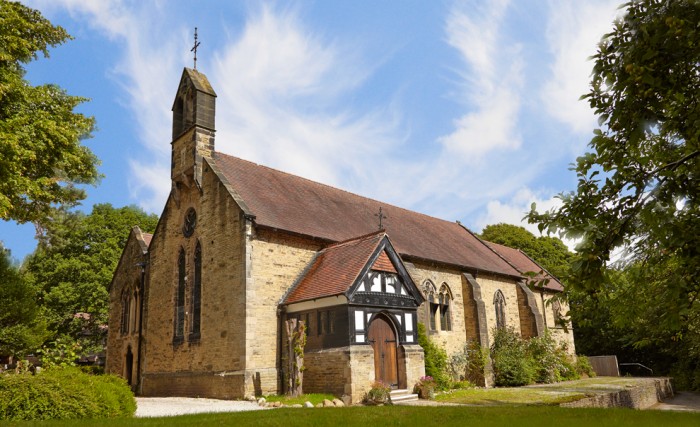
281, 89
146, 69
573, 32
491, 81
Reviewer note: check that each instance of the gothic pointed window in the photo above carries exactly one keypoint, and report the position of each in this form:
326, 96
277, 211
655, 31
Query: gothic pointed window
433, 307
126, 309
499, 302
180, 298
197, 292
444, 301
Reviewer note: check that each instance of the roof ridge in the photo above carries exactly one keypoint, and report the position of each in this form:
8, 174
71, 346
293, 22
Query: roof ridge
340, 189
355, 239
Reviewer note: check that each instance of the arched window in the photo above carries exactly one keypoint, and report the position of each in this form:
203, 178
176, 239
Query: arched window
180, 297
126, 309
133, 310
430, 296
197, 291
499, 301
444, 301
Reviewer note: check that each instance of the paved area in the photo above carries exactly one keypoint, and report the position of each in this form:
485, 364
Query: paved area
682, 401
171, 406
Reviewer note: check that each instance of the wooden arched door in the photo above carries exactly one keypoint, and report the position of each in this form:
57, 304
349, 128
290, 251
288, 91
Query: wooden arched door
382, 337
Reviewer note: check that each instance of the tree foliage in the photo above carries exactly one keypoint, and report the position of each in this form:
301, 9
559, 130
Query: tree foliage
550, 252
21, 329
638, 187
73, 266
41, 155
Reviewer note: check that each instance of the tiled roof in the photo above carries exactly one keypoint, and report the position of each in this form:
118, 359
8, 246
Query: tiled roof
287, 202
147, 238
524, 264
383, 263
334, 269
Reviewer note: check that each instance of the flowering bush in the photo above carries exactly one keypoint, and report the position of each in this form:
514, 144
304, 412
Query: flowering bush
380, 393
425, 387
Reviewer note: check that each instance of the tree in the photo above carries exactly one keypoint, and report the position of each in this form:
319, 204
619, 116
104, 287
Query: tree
550, 252
21, 330
41, 156
73, 265
638, 186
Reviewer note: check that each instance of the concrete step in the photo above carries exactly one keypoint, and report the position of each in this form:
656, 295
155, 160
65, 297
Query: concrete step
402, 395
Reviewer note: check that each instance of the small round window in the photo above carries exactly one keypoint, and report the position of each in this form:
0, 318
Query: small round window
190, 222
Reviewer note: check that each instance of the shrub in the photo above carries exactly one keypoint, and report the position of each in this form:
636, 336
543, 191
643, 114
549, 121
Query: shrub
469, 364
551, 360
379, 394
64, 393
583, 366
435, 360
512, 363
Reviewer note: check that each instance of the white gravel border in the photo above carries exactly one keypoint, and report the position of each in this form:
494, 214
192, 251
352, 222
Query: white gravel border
172, 406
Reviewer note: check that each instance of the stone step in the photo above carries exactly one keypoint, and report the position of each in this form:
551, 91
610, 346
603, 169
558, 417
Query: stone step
402, 395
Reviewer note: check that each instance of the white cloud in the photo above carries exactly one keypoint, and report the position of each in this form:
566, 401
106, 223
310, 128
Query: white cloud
148, 71
280, 88
491, 81
573, 32
513, 211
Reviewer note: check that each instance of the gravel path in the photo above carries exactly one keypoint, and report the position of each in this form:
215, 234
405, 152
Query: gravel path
170, 406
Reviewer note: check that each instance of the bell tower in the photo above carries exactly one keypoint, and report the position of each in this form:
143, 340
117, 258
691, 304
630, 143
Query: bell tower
193, 129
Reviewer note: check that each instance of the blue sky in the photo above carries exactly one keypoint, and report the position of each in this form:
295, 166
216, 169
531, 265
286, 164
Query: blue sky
464, 110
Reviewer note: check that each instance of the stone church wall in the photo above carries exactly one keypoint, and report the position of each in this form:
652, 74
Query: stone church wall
489, 286
127, 276
452, 341
213, 364
563, 336
276, 261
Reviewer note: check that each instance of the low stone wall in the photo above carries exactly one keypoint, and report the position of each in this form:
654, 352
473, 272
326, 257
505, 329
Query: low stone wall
643, 396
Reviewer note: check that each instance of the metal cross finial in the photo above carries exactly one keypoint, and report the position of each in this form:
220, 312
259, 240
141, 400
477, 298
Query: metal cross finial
381, 217
194, 48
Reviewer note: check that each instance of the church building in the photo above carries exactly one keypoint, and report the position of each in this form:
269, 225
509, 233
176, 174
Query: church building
199, 307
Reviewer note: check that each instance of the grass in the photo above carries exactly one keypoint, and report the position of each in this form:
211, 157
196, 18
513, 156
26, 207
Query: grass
508, 396
541, 394
522, 416
314, 398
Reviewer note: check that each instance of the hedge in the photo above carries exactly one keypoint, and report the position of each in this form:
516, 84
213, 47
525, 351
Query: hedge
64, 393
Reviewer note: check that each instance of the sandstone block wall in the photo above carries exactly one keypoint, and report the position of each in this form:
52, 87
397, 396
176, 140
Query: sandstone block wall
126, 277
360, 372
489, 286
452, 341
564, 336
413, 363
275, 261
327, 371
221, 346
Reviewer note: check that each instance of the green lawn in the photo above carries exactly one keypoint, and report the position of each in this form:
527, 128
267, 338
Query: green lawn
523, 416
541, 394
508, 396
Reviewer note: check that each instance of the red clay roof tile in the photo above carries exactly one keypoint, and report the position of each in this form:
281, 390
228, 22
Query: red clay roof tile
525, 264
383, 263
334, 269
287, 202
